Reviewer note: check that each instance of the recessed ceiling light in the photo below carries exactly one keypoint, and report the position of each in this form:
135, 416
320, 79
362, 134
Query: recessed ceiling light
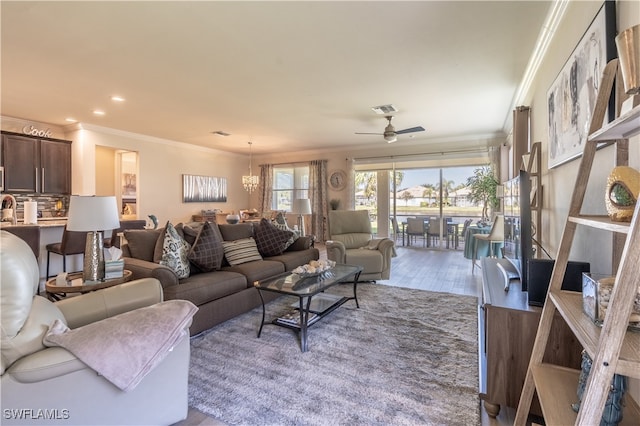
71, 120
117, 98
98, 112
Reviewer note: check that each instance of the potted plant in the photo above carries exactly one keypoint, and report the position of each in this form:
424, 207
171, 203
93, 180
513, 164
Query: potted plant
334, 203
482, 189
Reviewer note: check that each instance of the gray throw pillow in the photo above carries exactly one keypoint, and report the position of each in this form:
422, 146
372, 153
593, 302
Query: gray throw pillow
207, 251
270, 240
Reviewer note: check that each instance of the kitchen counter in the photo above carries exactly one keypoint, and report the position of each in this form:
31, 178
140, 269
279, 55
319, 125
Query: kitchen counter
50, 222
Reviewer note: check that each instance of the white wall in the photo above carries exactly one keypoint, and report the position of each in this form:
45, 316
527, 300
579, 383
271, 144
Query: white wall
161, 166
558, 182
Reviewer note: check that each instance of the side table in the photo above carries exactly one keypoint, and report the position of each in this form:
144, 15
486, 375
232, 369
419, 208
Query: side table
56, 292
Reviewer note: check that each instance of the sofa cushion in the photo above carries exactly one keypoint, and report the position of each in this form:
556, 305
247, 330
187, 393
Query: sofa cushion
142, 242
353, 240
293, 259
174, 252
270, 240
238, 231
371, 260
256, 271
207, 251
203, 288
241, 251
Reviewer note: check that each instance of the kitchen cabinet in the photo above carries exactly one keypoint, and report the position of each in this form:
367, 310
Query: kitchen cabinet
35, 165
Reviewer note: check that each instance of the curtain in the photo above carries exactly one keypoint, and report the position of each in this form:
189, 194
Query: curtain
266, 187
318, 194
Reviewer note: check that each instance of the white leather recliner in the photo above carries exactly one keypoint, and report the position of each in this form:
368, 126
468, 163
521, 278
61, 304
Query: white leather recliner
350, 241
49, 385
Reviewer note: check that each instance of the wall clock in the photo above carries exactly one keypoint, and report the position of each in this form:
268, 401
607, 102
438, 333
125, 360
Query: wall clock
338, 180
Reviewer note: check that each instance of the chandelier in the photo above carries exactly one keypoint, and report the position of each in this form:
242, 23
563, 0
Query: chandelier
250, 183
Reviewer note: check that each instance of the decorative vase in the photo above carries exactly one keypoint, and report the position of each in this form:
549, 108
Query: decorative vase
232, 219
623, 189
628, 44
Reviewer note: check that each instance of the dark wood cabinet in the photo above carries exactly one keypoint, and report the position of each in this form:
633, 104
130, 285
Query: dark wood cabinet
36, 165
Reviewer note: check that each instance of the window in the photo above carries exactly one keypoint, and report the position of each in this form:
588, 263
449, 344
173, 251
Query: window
289, 182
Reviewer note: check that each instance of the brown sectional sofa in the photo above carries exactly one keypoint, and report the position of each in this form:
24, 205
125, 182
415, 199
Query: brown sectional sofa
221, 294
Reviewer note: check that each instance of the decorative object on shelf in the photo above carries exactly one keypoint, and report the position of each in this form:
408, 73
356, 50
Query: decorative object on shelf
197, 189
596, 294
313, 268
93, 214
301, 207
572, 96
628, 44
233, 218
154, 220
334, 203
623, 190
338, 180
250, 183
612, 414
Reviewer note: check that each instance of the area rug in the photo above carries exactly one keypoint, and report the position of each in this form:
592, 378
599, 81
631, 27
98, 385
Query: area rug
405, 357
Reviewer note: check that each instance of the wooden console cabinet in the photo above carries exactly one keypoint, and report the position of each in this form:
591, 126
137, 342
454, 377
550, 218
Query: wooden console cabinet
507, 331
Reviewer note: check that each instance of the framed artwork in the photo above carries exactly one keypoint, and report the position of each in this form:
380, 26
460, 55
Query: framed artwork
198, 189
129, 184
572, 96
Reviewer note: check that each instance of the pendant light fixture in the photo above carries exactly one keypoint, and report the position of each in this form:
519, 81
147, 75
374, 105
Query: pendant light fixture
250, 182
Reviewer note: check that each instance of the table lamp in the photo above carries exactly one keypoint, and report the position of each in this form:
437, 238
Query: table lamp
301, 206
93, 215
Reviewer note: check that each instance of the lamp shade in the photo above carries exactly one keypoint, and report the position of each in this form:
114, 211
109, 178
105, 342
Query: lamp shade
301, 206
91, 213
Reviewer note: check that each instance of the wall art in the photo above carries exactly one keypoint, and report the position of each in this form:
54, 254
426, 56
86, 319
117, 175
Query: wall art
198, 189
572, 96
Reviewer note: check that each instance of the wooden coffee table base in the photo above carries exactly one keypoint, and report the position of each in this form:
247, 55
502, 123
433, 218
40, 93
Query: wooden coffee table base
57, 292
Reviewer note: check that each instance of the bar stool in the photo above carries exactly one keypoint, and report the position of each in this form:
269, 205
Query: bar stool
495, 235
72, 243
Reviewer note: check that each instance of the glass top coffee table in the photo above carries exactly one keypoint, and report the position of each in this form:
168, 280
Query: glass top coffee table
313, 303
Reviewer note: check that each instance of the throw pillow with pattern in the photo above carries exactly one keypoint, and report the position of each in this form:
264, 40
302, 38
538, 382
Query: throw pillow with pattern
241, 251
270, 240
207, 251
174, 252
285, 227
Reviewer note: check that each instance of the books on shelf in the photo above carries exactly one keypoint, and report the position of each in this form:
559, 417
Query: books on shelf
293, 318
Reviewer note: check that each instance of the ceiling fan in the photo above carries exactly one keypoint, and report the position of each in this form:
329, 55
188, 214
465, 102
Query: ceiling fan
390, 134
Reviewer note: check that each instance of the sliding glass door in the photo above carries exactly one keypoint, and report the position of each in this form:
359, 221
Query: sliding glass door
438, 195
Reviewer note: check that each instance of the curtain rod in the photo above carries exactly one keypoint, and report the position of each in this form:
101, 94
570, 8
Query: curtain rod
291, 163
441, 153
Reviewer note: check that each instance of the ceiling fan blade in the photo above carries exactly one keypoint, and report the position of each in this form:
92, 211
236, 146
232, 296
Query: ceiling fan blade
360, 133
411, 130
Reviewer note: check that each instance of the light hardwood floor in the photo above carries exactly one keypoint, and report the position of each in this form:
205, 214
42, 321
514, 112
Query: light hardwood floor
421, 268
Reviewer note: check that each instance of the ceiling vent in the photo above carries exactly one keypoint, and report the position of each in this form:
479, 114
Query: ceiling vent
221, 133
384, 109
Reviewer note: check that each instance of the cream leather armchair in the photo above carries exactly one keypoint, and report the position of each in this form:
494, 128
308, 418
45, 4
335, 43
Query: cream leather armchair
350, 242
49, 385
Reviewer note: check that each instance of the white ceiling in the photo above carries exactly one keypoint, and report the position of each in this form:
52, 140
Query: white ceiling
287, 75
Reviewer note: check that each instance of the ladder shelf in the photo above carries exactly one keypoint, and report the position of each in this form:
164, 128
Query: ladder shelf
612, 348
